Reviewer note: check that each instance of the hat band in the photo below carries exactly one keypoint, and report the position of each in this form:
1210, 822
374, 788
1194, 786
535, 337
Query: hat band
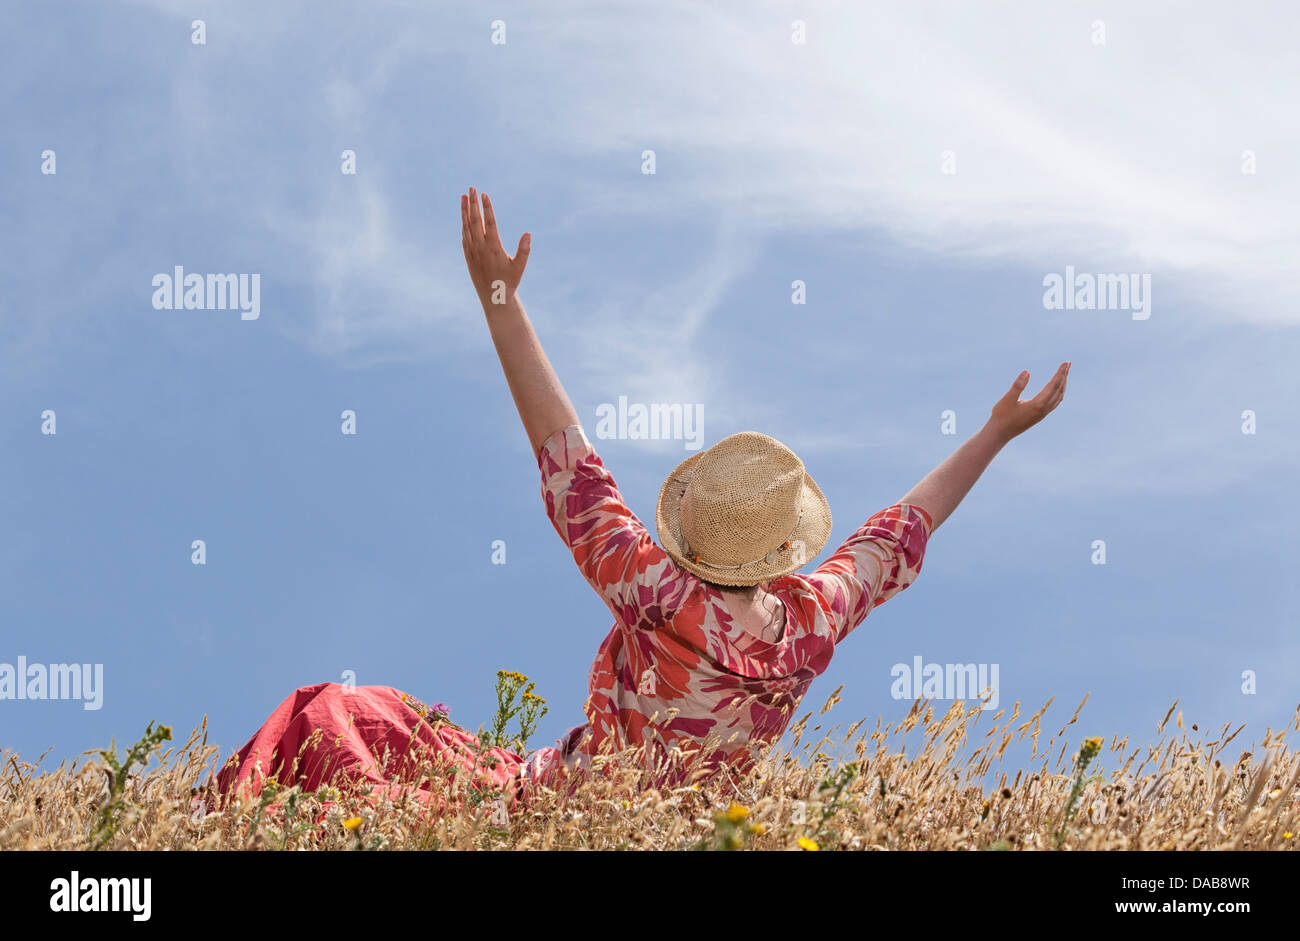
770, 557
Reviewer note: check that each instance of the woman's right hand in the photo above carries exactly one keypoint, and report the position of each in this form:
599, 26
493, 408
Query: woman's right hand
1011, 416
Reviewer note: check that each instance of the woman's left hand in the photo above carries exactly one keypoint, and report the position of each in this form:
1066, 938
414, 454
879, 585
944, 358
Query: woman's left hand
495, 274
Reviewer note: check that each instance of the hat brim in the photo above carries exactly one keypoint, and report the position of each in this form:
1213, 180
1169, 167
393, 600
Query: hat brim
808, 539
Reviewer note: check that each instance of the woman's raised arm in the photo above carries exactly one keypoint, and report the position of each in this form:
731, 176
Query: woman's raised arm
543, 405
945, 486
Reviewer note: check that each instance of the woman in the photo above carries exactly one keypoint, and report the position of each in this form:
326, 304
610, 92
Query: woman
716, 637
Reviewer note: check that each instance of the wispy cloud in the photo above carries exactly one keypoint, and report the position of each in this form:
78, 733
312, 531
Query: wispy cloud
645, 341
1123, 153
376, 292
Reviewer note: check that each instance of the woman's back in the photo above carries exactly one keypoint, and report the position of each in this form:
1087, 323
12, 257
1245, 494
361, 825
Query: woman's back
678, 668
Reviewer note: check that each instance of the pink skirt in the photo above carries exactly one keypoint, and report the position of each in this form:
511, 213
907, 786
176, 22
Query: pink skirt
345, 736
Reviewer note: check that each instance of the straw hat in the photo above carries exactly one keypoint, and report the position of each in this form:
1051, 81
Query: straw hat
742, 512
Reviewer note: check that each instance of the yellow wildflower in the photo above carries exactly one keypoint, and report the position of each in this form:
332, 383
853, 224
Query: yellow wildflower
737, 813
807, 844
352, 823
1091, 746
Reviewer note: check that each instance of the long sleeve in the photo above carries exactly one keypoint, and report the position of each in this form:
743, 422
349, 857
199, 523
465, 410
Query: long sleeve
615, 552
879, 560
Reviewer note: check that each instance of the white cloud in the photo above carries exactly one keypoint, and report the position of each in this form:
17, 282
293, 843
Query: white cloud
1123, 154
1117, 157
381, 293
645, 342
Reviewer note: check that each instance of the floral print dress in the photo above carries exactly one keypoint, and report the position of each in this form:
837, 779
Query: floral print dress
676, 670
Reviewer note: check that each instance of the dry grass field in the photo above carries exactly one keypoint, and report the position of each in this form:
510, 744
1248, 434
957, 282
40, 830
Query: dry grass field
1184, 789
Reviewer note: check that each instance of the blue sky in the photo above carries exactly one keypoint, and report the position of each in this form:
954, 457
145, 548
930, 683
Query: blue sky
775, 162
